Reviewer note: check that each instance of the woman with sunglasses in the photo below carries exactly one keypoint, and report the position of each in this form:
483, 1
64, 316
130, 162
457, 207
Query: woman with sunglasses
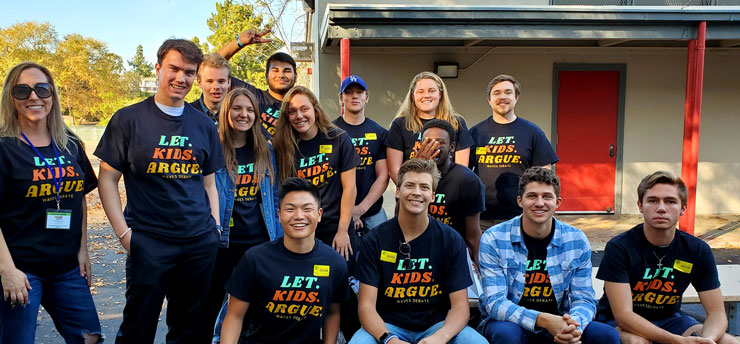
43, 225
426, 99
247, 192
308, 146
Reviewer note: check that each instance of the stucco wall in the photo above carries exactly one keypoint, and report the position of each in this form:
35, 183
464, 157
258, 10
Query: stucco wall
653, 123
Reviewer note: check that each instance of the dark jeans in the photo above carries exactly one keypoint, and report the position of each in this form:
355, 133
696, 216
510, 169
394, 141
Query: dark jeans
507, 332
350, 321
67, 299
226, 261
157, 268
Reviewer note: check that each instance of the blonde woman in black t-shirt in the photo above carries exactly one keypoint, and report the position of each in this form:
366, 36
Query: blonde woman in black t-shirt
426, 99
43, 225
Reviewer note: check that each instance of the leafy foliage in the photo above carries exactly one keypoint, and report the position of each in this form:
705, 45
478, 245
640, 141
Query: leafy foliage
232, 18
139, 65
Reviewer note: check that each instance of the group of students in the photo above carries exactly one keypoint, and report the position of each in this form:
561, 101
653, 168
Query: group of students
256, 193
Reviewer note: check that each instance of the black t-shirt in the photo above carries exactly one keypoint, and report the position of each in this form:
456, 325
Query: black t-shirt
368, 139
538, 293
27, 191
163, 159
403, 140
249, 225
413, 296
288, 293
321, 160
459, 194
502, 153
269, 106
656, 293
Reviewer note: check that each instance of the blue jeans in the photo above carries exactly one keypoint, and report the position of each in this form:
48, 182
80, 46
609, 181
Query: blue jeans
67, 299
373, 221
507, 332
466, 336
676, 324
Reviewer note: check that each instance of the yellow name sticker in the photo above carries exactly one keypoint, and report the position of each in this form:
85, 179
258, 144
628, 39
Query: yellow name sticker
321, 270
371, 136
682, 266
480, 150
231, 222
387, 256
325, 149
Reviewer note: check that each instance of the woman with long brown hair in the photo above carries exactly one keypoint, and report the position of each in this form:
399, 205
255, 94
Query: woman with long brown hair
426, 99
308, 145
43, 225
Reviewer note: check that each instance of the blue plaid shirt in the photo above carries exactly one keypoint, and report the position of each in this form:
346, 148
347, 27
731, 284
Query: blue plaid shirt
503, 264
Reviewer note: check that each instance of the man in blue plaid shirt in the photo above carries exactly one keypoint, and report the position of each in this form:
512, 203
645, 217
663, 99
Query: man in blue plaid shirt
536, 273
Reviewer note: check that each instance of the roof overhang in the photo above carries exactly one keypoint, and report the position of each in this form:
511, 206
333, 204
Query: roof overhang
449, 26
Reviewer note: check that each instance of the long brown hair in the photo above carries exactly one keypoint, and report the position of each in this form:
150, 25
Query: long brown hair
408, 108
9, 124
226, 133
286, 139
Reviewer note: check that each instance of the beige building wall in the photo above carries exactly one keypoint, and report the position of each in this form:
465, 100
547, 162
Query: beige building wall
653, 123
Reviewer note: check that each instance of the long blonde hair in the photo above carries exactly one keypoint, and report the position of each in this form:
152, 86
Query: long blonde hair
262, 162
9, 124
408, 109
286, 139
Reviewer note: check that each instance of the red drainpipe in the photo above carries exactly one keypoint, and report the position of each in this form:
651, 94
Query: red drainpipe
344, 60
692, 121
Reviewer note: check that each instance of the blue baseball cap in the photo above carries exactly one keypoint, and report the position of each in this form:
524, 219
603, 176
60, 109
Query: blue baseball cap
352, 79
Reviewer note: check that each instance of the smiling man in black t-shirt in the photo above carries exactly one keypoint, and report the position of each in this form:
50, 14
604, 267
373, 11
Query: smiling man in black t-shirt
280, 73
505, 146
289, 289
647, 269
367, 138
413, 271
167, 153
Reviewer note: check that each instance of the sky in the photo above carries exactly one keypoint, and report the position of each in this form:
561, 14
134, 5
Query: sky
122, 24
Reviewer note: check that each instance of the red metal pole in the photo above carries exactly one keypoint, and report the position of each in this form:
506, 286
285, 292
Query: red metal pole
344, 47
693, 118
688, 124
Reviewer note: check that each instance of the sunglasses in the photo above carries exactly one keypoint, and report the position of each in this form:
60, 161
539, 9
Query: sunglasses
405, 249
23, 91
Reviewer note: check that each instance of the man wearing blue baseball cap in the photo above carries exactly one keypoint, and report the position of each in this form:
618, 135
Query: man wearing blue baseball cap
372, 173
367, 138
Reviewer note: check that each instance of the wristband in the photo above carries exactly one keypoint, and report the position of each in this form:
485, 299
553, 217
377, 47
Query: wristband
238, 42
124, 233
389, 338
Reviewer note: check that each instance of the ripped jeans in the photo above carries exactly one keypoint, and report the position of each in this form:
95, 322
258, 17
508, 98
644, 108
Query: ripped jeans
67, 299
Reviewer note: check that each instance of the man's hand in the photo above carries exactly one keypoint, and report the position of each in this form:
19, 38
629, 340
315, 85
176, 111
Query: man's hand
428, 149
342, 245
695, 340
252, 37
569, 333
83, 259
398, 341
15, 287
357, 212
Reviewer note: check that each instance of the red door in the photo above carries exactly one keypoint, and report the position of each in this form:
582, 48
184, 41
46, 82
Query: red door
587, 110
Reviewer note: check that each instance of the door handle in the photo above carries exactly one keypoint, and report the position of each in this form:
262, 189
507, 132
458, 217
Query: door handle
611, 151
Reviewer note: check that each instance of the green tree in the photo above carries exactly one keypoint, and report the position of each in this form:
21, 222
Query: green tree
139, 64
232, 18
27, 41
88, 76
